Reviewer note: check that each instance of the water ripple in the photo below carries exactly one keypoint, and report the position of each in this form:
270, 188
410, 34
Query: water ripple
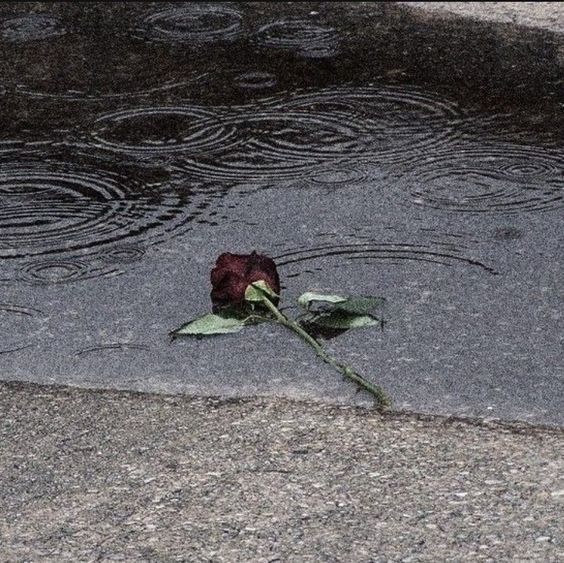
256, 80
20, 325
402, 122
191, 23
301, 36
292, 136
490, 179
31, 27
123, 253
113, 347
279, 145
161, 130
83, 90
59, 206
300, 259
48, 272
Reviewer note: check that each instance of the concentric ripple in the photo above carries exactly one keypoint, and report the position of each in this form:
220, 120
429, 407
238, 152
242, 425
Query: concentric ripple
357, 173
113, 347
367, 251
192, 23
301, 36
154, 131
57, 207
31, 27
84, 90
402, 122
20, 325
290, 137
123, 253
48, 272
495, 179
279, 145
256, 80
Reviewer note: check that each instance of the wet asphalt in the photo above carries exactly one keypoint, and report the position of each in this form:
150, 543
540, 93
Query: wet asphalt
347, 141
368, 148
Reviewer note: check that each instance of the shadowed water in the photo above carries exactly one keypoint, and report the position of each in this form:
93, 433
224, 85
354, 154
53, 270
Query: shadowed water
141, 140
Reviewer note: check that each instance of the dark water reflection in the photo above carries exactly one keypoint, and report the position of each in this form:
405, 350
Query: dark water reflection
139, 140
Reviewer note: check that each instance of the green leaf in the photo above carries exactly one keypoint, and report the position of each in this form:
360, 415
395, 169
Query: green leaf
344, 321
256, 291
361, 305
306, 300
210, 324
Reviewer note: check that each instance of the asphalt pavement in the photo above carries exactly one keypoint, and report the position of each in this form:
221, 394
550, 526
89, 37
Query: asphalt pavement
119, 476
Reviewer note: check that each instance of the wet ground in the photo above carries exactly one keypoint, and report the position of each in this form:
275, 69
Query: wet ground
365, 150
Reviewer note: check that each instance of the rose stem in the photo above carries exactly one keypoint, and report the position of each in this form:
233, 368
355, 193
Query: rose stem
382, 399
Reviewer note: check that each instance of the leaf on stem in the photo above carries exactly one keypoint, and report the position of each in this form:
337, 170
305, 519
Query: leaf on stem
256, 292
364, 305
340, 313
308, 299
211, 324
344, 321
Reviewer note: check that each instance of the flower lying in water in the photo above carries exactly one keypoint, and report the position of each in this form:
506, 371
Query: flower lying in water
246, 290
233, 273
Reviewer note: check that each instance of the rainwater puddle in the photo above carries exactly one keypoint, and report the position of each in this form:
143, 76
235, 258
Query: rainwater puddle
343, 144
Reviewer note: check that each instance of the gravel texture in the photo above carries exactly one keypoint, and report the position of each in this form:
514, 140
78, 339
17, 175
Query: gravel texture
103, 476
545, 15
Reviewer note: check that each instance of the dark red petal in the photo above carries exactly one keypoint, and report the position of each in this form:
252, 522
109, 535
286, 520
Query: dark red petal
237, 263
266, 265
233, 273
231, 290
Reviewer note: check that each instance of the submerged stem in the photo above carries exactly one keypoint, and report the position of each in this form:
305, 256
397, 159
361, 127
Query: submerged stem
380, 396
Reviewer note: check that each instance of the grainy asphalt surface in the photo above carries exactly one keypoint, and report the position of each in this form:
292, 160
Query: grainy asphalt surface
102, 476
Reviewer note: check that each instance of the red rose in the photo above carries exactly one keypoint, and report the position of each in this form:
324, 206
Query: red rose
233, 273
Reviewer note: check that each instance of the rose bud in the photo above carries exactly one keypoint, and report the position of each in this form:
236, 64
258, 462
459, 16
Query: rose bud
233, 273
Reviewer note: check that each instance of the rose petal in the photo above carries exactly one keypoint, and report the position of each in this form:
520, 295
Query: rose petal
233, 273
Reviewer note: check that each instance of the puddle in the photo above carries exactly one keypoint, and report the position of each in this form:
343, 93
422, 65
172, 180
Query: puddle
31, 27
141, 140
20, 325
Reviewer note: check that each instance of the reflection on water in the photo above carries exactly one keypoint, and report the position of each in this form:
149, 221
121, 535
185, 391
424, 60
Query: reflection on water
150, 137
364, 133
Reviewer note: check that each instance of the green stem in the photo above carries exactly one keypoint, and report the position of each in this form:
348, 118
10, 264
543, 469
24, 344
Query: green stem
382, 400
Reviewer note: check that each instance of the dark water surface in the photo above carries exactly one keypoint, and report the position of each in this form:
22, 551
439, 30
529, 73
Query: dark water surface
364, 150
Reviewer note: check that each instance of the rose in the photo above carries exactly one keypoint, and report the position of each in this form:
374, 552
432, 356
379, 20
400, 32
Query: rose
233, 273
245, 291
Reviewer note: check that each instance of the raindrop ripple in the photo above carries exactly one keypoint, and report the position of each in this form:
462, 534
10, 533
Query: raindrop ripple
57, 207
301, 36
490, 179
31, 27
191, 23
293, 136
